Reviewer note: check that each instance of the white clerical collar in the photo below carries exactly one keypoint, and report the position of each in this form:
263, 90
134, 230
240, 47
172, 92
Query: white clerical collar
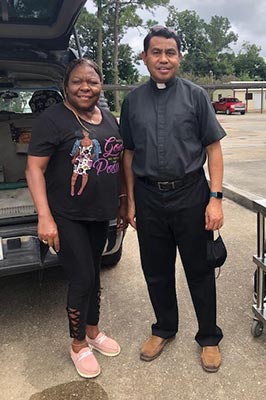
160, 85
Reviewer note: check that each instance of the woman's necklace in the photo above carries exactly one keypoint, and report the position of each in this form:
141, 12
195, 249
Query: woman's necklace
78, 117
91, 120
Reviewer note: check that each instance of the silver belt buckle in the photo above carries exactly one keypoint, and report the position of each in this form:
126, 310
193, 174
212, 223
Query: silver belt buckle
161, 185
173, 185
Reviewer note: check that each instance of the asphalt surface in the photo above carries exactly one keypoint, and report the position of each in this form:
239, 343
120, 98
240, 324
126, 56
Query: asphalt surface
34, 343
244, 150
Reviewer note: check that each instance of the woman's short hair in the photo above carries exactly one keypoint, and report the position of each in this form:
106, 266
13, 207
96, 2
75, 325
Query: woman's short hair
81, 61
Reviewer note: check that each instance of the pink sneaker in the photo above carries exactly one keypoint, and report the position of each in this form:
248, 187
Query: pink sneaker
104, 344
85, 362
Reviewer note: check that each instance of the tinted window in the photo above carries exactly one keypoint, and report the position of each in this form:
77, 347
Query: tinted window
17, 101
27, 101
43, 12
230, 99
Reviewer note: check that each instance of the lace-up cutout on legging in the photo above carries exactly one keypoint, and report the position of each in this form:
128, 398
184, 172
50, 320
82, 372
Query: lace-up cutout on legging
76, 328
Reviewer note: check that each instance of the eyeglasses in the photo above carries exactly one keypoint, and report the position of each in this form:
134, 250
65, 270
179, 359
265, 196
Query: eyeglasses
158, 28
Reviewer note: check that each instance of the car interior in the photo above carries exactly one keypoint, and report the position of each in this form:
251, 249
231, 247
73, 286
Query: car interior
15, 132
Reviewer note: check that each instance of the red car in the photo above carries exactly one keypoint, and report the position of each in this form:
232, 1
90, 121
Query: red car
229, 105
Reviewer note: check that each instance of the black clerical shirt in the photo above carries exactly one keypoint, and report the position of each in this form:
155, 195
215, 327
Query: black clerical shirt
168, 127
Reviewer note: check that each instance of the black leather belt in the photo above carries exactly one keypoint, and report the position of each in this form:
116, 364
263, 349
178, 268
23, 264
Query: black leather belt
175, 184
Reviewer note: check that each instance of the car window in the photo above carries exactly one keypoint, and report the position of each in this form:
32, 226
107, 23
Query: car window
43, 12
27, 101
231, 99
15, 101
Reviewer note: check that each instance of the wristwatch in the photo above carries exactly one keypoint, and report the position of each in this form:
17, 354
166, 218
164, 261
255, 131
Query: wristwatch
217, 195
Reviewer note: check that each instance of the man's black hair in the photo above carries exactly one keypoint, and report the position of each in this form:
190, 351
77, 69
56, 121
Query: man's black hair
161, 31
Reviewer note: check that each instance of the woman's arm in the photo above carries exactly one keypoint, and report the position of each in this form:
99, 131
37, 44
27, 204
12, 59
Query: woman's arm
47, 228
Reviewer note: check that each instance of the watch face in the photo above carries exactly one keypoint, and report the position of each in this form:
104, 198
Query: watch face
217, 195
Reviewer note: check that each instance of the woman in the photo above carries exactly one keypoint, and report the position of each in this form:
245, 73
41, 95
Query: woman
73, 176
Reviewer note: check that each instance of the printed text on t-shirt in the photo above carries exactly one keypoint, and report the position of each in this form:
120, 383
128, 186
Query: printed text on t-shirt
109, 162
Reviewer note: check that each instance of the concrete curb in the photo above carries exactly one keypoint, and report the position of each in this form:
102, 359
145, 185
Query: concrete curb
241, 197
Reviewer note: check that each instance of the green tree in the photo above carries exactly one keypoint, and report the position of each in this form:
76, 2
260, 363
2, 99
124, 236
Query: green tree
88, 35
126, 65
189, 27
220, 37
121, 15
219, 34
249, 64
205, 45
87, 29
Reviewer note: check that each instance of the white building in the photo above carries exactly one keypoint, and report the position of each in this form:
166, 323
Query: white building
254, 97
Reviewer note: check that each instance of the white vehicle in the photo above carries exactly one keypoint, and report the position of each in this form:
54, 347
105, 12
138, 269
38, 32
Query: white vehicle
33, 54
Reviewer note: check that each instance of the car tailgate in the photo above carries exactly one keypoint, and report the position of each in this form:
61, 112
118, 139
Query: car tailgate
20, 248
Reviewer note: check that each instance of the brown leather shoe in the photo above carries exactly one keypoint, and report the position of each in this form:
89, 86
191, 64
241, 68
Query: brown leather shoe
153, 347
211, 358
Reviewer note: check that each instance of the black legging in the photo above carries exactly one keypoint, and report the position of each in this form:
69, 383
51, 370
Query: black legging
81, 247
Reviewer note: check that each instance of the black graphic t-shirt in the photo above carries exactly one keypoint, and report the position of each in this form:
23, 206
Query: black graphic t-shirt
58, 134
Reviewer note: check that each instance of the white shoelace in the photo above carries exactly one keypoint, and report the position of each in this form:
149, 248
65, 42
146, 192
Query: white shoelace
85, 354
101, 339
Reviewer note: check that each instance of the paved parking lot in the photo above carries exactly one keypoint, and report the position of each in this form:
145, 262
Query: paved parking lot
33, 338
244, 151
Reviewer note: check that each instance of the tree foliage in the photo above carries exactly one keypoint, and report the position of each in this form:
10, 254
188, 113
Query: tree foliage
124, 13
101, 34
207, 47
87, 31
249, 64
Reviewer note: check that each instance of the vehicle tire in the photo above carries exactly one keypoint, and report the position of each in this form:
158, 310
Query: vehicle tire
112, 259
242, 112
227, 111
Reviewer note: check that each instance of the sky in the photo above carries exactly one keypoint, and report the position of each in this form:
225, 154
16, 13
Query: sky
247, 19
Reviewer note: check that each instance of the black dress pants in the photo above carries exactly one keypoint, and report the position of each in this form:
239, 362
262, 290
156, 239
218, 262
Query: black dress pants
167, 220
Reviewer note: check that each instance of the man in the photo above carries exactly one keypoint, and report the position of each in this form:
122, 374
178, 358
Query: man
169, 129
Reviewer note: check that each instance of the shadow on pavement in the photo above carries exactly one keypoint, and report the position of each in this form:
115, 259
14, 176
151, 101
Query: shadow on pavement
81, 390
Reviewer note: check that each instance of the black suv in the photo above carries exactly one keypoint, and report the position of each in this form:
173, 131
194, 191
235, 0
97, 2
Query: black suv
34, 40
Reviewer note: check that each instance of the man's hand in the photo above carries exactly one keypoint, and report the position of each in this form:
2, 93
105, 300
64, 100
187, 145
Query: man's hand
122, 214
214, 215
131, 214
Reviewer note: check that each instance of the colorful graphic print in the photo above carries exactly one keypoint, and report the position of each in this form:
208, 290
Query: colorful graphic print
87, 154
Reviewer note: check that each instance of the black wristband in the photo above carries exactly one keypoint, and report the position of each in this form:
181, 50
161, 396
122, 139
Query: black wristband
217, 195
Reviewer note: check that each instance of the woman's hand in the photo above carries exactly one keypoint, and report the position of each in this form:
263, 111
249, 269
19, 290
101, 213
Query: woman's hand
47, 228
47, 232
122, 214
